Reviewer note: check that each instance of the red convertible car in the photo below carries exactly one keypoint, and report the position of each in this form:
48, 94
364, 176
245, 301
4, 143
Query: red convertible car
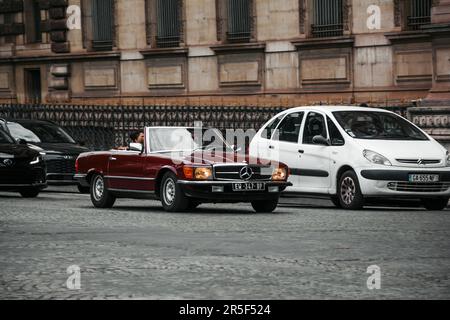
176, 166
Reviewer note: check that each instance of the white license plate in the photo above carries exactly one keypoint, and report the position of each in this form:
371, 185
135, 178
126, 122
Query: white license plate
249, 186
423, 178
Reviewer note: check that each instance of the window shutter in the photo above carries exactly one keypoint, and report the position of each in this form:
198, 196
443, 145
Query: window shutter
103, 24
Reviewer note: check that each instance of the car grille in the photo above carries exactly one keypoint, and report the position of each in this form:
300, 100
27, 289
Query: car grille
232, 172
422, 161
60, 166
419, 186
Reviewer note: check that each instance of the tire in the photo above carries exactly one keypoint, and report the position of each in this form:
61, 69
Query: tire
265, 206
100, 196
84, 190
349, 192
435, 204
29, 193
336, 202
172, 197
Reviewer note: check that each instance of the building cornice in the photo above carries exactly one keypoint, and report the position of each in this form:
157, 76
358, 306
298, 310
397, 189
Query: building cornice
316, 43
239, 47
62, 57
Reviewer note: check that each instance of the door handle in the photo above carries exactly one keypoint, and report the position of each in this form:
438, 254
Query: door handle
112, 158
301, 151
271, 147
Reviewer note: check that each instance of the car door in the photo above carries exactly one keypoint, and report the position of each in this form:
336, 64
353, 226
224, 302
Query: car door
125, 171
284, 145
314, 168
262, 146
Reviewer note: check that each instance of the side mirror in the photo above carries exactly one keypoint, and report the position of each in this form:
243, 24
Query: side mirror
136, 147
321, 141
22, 141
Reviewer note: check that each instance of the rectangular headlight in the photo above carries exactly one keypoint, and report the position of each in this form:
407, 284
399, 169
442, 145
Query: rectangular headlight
279, 174
203, 173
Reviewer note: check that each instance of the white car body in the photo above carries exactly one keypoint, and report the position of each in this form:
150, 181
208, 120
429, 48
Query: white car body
315, 168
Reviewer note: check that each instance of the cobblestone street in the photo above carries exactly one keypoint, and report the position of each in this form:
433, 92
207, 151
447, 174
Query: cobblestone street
138, 251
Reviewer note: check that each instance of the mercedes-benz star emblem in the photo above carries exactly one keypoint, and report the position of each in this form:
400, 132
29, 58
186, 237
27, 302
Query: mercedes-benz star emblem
246, 173
8, 162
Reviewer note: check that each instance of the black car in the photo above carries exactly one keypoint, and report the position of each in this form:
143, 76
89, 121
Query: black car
57, 147
22, 169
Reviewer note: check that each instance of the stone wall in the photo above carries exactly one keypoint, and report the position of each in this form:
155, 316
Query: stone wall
282, 65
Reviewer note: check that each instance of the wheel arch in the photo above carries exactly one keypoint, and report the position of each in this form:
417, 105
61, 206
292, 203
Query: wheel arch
339, 173
159, 177
91, 173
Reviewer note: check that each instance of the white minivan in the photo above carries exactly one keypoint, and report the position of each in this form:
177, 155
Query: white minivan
355, 153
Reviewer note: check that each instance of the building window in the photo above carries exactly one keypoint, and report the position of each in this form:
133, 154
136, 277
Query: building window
239, 16
418, 13
102, 24
235, 22
33, 85
168, 13
164, 23
32, 14
328, 18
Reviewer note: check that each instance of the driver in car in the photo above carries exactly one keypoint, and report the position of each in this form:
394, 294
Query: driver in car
135, 137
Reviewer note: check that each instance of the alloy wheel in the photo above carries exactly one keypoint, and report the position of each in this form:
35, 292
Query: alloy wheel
348, 190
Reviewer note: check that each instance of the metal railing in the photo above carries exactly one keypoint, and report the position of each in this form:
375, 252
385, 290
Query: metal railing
103, 127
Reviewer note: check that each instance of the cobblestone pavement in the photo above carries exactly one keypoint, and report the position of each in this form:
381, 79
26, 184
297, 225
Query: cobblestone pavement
138, 251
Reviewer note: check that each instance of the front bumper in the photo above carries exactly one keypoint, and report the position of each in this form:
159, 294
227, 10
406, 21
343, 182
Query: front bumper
395, 182
204, 190
13, 180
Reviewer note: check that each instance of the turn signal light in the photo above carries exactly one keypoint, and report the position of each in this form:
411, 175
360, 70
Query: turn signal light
188, 172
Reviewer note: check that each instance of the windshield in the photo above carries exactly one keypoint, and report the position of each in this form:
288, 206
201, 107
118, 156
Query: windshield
185, 139
5, 138
39, 133
377, 125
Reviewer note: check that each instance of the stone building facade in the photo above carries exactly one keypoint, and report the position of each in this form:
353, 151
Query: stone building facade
258, 52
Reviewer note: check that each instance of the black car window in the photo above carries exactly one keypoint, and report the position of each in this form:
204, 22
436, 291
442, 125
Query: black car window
314, 126
39, 132
5, 138
19, 132
335, 136
270, 128
289, 128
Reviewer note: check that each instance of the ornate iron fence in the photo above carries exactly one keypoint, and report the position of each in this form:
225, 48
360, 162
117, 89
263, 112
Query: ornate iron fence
103, 127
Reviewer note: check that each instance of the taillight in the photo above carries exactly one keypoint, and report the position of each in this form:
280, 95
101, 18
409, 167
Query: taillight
76, 166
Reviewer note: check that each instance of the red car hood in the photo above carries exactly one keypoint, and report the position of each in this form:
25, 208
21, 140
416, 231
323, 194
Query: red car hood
210, 158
